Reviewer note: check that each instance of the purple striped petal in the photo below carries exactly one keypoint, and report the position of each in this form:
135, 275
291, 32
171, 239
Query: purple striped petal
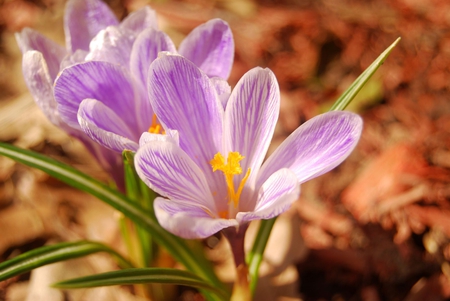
185, 100
145, 50
188, 221
170, 136
40, 84
211, 47
223, 90
52, 53
169, 171
83, 19
250, 119
112, 45
105, 127
275, 196
140, 20
316, 147
108, 83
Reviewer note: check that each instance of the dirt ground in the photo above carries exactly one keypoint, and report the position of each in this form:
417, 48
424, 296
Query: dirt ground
376, 228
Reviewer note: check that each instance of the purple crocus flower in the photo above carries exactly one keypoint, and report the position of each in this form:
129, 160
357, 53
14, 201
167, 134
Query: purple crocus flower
214, 177
43, 59
107, 98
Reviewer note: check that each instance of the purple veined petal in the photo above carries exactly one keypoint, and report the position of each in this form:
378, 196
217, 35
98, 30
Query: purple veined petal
108, 83
223, 90
77, 57
40, 84
169, 171
52, 53
275, 196
83, 19
106, 128
113, 45
170, 136
145, 50
141, 19
93, 115
184, 99
211, 47
316, 147
250, 118
187, 221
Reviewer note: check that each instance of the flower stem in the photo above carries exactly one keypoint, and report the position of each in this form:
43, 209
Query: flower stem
241, 289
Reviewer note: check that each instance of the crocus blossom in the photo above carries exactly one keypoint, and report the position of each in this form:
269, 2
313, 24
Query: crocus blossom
106, 97
43, 59
214, 176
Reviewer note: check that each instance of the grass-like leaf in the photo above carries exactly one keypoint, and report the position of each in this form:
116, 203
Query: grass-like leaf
65, 173
139, 276
255, 256
55, 253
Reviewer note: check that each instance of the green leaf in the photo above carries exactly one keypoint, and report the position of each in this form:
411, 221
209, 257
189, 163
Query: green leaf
174, 245
255, 256
354, 88
141, 275
54, 253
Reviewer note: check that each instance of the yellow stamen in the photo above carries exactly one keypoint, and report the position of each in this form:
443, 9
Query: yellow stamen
223, 214
229, 169
155, 128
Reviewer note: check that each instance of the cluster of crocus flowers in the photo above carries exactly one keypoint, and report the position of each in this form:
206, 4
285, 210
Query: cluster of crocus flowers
212, 175
95, 87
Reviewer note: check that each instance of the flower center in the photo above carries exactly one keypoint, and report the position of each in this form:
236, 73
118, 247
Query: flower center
156, 128
229, 169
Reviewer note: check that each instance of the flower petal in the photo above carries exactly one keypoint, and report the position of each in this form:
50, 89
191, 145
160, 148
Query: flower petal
211, 47
223, 90
83, 19
140, 20
274, 197
316, 147
250, 118
108, 83
105, 127
52, 53
38, 81
170, 136
77, 57
112, 45
169, 171
184, 99
188, 221
145, 50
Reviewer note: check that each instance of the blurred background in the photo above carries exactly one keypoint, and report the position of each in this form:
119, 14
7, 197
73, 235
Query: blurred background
376, 228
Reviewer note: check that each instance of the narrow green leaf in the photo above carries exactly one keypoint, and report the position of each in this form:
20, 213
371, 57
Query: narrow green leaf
141, 275
174, 245
255, 256
354, 88
55, 253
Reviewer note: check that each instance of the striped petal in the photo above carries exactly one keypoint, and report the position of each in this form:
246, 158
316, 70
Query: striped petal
145, 50
40, 84
112, 45
316, 147
83, 19
211, 47
184, 99
169, 171
139, 20
170, 136
108, 83
188, 221
52, 53
275, 196
102, 125
250, 118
